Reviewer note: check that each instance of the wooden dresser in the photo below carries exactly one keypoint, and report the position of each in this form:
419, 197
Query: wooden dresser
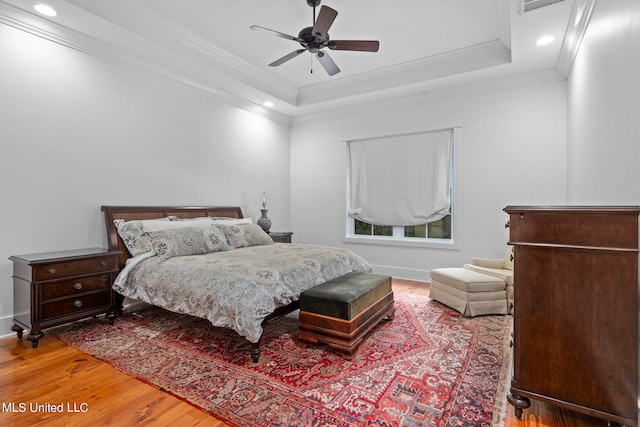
576, 309
53, 288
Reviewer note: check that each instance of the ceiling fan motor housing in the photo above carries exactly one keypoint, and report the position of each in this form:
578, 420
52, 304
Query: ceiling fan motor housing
313, 3
312, 42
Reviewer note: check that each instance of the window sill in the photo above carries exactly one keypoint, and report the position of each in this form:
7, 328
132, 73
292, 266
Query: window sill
388, 241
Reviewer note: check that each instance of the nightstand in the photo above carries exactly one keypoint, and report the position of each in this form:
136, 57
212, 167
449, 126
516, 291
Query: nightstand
281, 236
53, 288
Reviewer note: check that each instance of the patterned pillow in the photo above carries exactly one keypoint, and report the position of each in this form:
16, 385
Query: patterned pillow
215, 240
178, 242
134, 233
243, 235
214, 237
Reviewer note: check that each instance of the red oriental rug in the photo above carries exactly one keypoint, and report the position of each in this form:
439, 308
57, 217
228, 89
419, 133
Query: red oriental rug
427, 367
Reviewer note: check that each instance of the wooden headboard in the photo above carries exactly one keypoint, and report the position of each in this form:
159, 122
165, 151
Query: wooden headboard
130, 213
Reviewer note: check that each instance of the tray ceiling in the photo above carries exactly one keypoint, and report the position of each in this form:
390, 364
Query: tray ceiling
425, 46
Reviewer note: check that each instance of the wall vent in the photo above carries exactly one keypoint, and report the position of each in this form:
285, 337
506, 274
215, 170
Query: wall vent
531, 5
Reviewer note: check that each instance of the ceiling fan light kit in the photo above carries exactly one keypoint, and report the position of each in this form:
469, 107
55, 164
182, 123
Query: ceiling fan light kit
316, 38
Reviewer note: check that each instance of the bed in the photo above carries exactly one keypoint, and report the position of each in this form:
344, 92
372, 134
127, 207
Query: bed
240, 286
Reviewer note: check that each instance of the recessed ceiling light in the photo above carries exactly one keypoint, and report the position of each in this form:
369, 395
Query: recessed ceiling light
45, 10
268, 104
545, 40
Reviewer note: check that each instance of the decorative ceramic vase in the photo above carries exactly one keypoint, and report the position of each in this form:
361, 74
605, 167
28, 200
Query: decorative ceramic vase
264, 221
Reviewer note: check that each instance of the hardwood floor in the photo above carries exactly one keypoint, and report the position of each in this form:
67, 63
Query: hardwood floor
84, 391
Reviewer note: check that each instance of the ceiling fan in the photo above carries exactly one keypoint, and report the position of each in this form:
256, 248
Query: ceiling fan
315, 38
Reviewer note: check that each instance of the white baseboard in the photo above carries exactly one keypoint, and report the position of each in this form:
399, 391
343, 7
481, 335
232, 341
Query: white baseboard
5, 327
402, 273
131, 304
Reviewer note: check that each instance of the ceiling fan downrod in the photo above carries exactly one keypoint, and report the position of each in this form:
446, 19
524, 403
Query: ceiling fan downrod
313, 4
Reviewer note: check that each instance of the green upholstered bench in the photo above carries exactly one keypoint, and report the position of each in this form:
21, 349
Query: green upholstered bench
342, 311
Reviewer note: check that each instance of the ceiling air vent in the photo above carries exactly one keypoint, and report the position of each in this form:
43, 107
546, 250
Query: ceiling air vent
531, 5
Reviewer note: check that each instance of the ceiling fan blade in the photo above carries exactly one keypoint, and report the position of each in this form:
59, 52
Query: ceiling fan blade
277, 33
327, 63
358, 45
324, 21
287, 57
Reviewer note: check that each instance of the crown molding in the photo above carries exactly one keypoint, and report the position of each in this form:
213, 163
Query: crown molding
163, 32
485, 55
180, 58
420, 95
578, 23
208, 85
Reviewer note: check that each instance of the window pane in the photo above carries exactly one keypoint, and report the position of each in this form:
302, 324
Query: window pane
382, 230
362, 228
440, 229
415, 231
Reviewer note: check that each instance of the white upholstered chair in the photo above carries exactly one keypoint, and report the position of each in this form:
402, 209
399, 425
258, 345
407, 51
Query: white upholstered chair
497, 267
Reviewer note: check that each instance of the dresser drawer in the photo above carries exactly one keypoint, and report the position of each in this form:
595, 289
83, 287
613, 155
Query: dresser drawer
74, 305
569, 228
75, 286
74, 268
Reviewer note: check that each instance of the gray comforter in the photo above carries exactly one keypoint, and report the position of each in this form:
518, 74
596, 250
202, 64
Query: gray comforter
238, 288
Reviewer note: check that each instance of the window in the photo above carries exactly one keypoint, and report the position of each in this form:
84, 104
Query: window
401, 188
439, 229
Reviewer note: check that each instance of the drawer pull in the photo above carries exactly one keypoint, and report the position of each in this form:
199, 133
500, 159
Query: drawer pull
103, 263
77, 286
52, 270
77, 303
506, 225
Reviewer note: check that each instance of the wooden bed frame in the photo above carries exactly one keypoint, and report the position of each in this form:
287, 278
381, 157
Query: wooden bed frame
130, 213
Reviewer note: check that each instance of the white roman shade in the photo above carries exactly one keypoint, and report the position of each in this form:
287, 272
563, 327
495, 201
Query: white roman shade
401, 180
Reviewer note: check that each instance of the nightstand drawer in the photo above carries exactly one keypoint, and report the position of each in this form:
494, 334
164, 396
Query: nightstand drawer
76, 286
73, 305
74, 268
281, 236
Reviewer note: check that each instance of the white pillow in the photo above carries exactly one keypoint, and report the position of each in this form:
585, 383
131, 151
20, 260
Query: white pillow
231, 221
200, 222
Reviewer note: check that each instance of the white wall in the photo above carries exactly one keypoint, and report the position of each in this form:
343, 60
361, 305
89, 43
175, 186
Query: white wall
513, 151
77, 132
604, 108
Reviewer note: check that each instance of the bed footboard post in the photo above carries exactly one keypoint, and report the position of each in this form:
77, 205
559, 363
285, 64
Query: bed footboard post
255, 351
